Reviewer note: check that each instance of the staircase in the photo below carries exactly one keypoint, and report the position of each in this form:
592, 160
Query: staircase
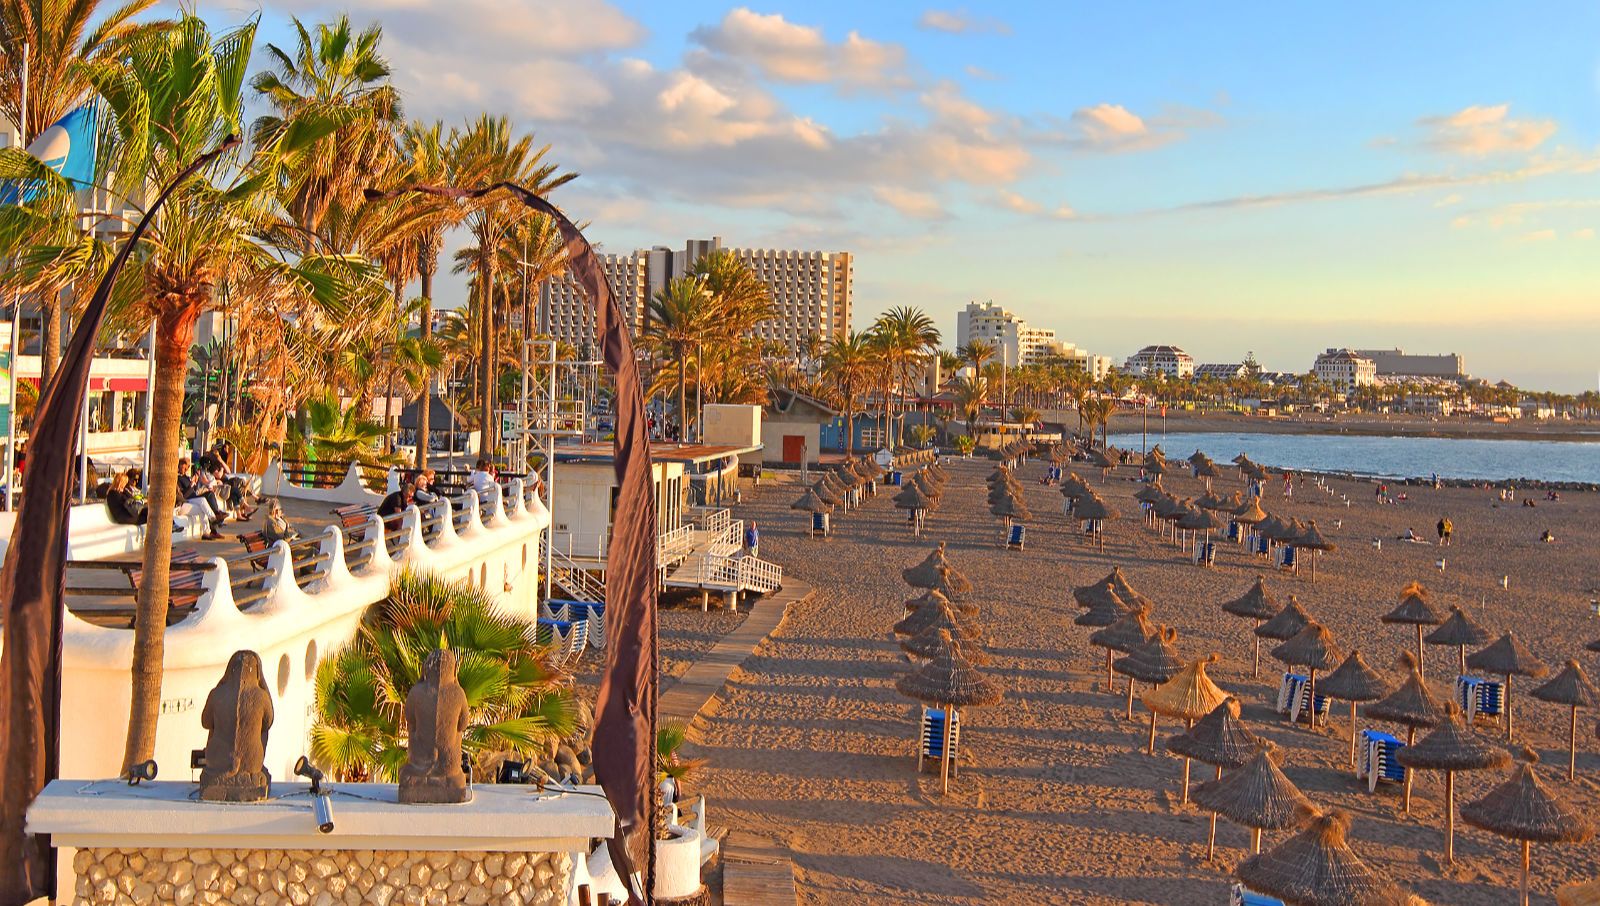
715, 560
574, 581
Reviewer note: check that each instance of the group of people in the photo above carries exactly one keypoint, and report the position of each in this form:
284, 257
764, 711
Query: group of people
207, 491
419, 488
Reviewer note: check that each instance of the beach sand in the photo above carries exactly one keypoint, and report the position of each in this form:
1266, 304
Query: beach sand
1056, 801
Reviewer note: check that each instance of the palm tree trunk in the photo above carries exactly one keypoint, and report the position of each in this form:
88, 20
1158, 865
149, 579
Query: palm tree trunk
683, 396
173, 335
49, 337
486, 350
425, 331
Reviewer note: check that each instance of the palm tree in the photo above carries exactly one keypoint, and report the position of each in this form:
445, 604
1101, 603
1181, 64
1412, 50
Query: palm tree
517, 701
428, 163
173, 95
740, 303
677, 318
484, 153
847, 365
971, 394
56, 38
976, 353
908, 335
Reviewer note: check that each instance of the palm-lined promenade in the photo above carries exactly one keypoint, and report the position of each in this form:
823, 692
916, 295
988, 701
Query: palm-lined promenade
1056, 800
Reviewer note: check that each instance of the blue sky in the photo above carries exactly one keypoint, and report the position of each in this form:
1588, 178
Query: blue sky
1268, 177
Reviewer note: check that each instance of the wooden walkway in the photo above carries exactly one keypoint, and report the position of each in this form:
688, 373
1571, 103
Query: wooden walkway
756, 871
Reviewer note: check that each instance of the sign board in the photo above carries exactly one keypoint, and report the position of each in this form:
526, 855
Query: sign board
883, 458
510, 424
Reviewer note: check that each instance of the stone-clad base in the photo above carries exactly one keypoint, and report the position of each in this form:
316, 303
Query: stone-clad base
181, 877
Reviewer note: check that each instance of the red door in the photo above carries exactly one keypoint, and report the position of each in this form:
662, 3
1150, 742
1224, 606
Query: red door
794, 447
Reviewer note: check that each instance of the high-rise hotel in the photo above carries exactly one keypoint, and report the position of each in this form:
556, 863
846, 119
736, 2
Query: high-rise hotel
811, 291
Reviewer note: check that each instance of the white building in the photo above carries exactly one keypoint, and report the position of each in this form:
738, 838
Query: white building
1398, 363
1015, 341
1220, 371
811, 291
1168, 360
1345, 370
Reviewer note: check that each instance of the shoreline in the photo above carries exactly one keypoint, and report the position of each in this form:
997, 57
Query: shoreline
1368, 425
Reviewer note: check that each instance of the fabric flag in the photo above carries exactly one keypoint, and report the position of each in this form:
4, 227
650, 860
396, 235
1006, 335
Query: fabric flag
68, 147
32, 585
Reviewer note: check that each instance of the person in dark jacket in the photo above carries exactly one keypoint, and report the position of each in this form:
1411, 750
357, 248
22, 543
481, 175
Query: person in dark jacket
394, 506
125, 508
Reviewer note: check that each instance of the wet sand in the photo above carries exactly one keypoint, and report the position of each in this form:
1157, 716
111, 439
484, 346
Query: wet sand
1056, 801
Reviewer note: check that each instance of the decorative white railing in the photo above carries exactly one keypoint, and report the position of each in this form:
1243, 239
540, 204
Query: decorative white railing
574, 578
674, 544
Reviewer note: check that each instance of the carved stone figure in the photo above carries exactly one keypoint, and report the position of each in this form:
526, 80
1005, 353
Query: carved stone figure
436, 717
238, 714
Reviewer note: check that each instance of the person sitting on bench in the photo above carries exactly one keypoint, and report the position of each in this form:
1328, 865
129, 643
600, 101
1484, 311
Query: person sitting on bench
394, 506
274, 527
123, 504
199, 502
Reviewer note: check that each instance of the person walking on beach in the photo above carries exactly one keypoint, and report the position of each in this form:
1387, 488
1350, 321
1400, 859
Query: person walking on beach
1445, 528
752, 539
1288, 486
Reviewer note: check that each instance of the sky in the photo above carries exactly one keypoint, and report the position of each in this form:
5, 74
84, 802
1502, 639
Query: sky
1257, 177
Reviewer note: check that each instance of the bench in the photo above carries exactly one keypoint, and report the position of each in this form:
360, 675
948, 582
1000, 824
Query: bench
254, 543
353, 519
184, 586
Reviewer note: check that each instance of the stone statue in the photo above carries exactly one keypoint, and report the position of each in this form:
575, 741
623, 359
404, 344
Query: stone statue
436, 717
238, 714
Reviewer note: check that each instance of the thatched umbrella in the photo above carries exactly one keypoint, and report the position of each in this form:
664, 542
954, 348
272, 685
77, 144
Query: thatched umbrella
1523, 809
1207, 471
1316, 867
1459, 630
1100, 460
1314, 649
812, 502
1074, 487
912, 498
1255, 604
1220, 740
1096, 513
1011, 509
1188, 696
1286, 623
1210, 501
1585, 894
1154, 662
949, 681
1570, 687
935, 570
1257, 796
1150, 493
1249, 515
826, 492
1414, 610
1452, 747
937, 612
1354, 681
931, 642
942, 594
1125, 590
1508, 657
1132, 631
1411, 705
1310, 539
1102, 594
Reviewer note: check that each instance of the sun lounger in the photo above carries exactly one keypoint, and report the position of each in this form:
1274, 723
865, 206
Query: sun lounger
1244, 896
1292, 692
1017, 537
1205, 553
1378, 761
932, 737
1480, 697
819, 524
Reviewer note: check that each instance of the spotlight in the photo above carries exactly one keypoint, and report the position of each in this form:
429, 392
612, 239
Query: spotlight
144, 770
321, 802
304, 768
466, 766
512, 772
197, 760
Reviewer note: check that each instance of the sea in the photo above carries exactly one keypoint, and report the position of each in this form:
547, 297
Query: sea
1389, 457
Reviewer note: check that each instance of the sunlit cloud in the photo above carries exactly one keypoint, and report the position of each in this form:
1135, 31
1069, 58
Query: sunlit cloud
785, 51
1479, 131
917, 205
958, 22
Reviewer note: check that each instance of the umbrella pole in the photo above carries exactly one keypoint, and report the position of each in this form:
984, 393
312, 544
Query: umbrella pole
1508, 707
1411, 738
1255, 841
1211, 838
1352, 734
1185, 799
1422, 670
1111, 678
1311, 696
1526, 858
1450, 817
1255, 665
1572, 742
1150, 747
944, 751
1130, 699
1461, 655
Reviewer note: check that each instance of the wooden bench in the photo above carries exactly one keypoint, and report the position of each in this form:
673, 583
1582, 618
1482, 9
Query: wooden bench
254, 543
184, 585
353, 518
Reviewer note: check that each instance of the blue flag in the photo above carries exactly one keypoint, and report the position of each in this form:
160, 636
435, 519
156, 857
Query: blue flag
68, 147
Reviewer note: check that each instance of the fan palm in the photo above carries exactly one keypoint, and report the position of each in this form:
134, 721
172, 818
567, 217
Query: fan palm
847, 364
678, 318
908, 335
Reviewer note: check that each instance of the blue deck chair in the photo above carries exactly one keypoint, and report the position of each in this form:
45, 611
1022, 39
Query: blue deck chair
1480, 697
1378, 761
931, 744
1262, 545
1017, 536
1235, 532
1287, 557
819, 524
1292, 690
1244, 896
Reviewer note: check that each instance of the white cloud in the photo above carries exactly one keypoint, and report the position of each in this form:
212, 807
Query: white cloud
1024, 205
918, 205
946, 103
1585, 234
978, 72
1454, 198
1478, 131
1113, 128
1538, 236
784, 51
957, 22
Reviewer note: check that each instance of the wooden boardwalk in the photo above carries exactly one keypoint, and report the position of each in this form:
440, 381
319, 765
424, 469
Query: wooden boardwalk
756, 871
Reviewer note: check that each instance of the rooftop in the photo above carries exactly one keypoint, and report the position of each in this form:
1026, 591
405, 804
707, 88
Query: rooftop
659, 452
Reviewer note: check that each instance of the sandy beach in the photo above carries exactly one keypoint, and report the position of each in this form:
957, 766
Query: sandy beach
1056, 801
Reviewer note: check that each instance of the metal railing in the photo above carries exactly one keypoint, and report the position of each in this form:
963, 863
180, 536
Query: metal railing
576, 580
674, 544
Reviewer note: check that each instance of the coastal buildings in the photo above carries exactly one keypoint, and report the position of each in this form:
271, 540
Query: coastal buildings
1344, 370
1398, 363
1221, 372
812, 291
1018, 342
1168, 360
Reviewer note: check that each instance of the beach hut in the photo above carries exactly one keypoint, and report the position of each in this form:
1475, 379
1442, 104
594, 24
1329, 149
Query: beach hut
950, 682
1188, 696
1255, 604
1257, 795
1310, 539
935, 570
937, 611
1414, 610
1221, 740
913, 499
1314, 649
1507, 657
1354, 681
1570, 687
1093, 514
1316, 867
1410, 705
1523, 809
1154, 662
1131, 631
1452, 747
811, 502
1458, 629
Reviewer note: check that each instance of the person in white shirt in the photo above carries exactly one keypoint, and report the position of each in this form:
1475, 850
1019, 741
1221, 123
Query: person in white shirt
482, 480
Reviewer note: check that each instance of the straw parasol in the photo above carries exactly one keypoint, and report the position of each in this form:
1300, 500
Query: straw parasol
1314, 649
1095, 511
1250, 513
1355, 681
1450, 748
927, 574
1100, 594
1188, 696
913, 498
1131, 631
1316, 867
1220, 740
1570, 687
937, 612
812, 502
1286, 623
931, 642
826, 492
1125, 591
1508, 657
1310, 539
1154, 662
1523, 809
1414, 610
1586, 894
1255, 604
949, 681
935, 596
1459, 630
1011, 509
1150, 493
1411, 705
1198, 520
1257, 796
1210, 501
